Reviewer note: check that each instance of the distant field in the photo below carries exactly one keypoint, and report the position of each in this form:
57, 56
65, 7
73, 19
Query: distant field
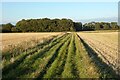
64, 55
101, 31
13, 39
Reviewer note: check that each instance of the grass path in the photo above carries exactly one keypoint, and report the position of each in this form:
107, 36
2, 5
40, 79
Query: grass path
69, 69
52, 71
85, 68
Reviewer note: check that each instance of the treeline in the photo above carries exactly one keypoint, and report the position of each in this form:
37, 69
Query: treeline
40, 25
100, 26
56, 25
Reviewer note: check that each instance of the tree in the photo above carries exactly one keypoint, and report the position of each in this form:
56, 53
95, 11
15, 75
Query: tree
114, 25
0, 28
78, 26
14, 29
7, 27
45, 25
106, 26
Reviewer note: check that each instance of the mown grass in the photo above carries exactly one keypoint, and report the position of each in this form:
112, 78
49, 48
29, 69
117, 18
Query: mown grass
32, 58
69, 69
53, 57
62, 57
8, 64
86, 69
55, 66
18, 49
14, 61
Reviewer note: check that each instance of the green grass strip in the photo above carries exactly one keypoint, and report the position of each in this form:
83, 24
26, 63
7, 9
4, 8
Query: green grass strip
41, 64
23, 67
68, 69
21, 57
85, 68
52, 71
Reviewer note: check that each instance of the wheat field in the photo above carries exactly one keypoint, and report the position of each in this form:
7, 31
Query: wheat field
9, 40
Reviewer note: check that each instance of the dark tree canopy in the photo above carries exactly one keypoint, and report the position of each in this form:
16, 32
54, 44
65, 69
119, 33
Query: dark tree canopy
100, 26
78, 26
56, 25
45, 25
7, 27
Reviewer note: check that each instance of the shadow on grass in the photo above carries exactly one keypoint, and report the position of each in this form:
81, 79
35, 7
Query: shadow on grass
105, 70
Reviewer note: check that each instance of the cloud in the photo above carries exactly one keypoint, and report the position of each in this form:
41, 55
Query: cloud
110, 19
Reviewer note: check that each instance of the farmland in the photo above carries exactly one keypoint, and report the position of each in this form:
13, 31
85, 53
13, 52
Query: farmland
105, 44
63, 55
17, 39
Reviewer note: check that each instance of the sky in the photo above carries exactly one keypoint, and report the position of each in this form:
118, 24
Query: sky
77, 11
59, 0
